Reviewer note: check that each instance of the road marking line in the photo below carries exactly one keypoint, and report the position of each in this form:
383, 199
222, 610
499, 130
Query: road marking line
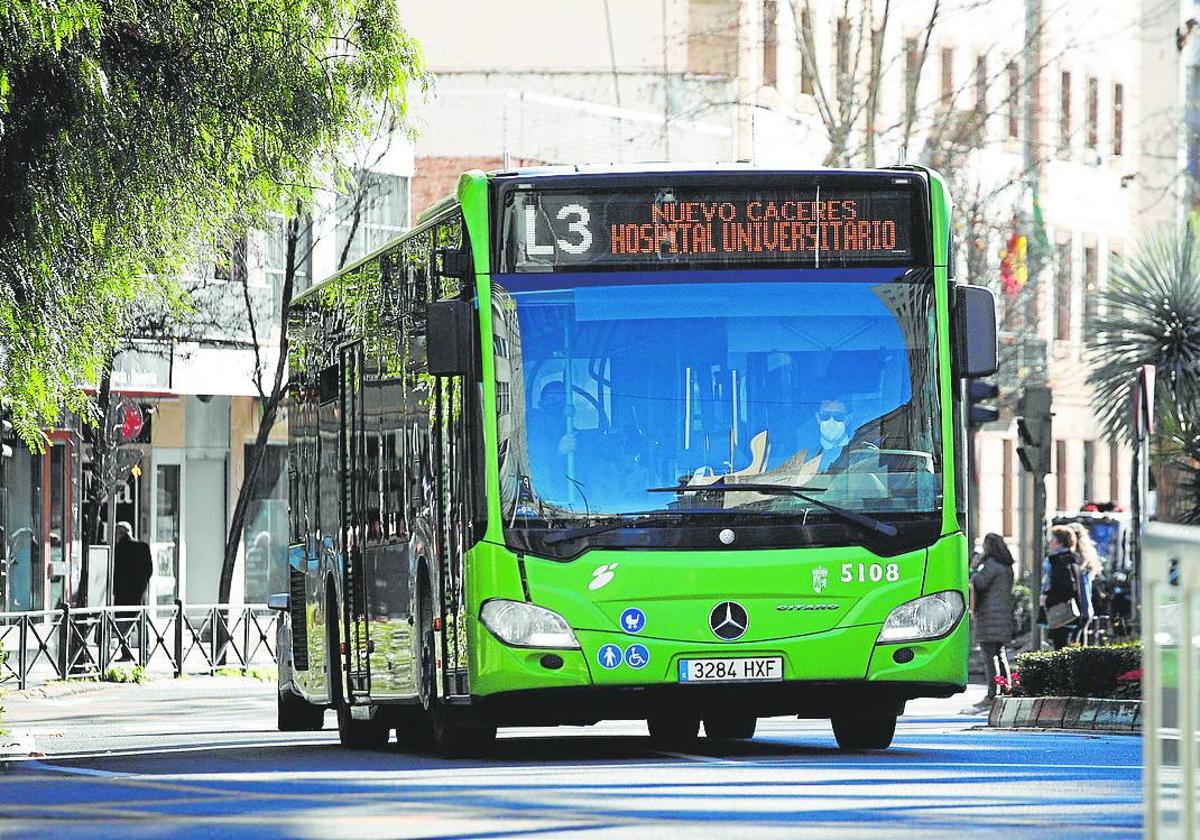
135, 751
79, 771
702, 759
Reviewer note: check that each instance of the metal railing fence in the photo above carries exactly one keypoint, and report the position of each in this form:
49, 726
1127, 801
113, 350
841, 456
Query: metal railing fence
83, 643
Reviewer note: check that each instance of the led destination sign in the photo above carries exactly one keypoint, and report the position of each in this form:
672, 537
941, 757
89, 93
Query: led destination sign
812, 227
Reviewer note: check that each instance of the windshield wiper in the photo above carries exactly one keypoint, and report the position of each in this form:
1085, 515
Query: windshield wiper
628, 520
859, 519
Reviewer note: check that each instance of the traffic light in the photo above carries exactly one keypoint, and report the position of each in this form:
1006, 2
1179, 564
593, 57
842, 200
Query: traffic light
1034, 429
978, 412
6, 438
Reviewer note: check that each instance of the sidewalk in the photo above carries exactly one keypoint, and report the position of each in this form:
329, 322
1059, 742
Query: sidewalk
36, 718
957, 706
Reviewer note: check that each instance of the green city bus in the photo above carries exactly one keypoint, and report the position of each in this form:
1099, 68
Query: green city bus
664, 444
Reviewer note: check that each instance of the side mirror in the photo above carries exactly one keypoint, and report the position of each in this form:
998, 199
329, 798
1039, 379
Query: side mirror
448, 331
453, 262
975, 332
279, 601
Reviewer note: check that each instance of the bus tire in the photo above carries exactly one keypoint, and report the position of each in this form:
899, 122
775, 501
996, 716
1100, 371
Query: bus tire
730, 727
864, 730
441, 729
453, 739
673, 731
295, 714
353, 734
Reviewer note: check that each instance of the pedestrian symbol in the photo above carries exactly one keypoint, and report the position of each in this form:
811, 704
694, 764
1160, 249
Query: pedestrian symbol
636, 656
609, 656
633, 620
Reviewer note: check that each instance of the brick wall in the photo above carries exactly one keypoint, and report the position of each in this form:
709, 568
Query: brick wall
435, 177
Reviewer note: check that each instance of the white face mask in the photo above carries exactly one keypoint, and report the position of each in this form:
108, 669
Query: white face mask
833, 430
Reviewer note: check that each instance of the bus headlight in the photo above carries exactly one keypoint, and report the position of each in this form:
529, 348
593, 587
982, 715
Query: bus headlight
525, 625
925, 618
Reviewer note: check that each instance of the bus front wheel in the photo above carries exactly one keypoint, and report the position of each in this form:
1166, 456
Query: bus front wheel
864, 730
673, 731
730, 727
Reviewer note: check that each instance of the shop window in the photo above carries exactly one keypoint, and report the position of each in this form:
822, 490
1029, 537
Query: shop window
265, 531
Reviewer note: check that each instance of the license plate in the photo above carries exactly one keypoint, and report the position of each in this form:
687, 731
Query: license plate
756, 669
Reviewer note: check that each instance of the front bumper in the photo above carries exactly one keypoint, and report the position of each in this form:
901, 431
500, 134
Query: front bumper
806, 699
823, 672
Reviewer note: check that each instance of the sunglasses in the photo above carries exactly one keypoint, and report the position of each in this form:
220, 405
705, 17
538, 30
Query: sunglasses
832, 415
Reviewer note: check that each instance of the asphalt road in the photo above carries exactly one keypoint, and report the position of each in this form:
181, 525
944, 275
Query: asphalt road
201, 757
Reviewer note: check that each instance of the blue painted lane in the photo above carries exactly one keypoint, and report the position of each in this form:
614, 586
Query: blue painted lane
791, 781
182, 775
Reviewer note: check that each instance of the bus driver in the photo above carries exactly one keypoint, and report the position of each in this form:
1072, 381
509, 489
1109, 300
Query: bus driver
833, 426
832, 420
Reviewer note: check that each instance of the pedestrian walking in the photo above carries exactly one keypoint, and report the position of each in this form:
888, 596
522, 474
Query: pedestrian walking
1090, 570
992, 610
1060, 595
132, 569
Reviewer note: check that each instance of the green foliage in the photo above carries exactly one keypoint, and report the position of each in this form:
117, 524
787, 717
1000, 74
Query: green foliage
1150, 315
1078, 671
121, 674
266, 673
131, 133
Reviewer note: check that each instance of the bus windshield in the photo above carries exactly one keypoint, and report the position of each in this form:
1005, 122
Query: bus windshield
610, 385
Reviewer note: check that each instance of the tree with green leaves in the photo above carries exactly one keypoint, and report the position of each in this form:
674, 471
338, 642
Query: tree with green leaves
1150, 315
131, 133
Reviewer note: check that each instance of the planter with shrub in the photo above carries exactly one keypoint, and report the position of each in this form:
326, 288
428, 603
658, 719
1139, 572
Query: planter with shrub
1096, 688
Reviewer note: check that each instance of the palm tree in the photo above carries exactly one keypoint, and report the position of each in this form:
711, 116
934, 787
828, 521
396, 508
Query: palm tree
1150, 314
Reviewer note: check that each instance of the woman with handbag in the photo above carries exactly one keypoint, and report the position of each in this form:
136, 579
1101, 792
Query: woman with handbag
992, 610
1061, 596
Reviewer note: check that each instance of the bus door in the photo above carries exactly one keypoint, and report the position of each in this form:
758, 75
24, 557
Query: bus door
355, 627
453, 468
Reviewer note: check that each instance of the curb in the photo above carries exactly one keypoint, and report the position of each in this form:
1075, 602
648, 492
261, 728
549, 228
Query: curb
51, 691
1089, 714
17, 744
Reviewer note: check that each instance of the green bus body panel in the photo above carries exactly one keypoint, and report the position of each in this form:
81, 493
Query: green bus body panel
947, 567
473, 196
940, 224
677, 589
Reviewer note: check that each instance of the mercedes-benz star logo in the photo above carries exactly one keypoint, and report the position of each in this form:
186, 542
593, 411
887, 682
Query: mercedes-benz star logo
728, 620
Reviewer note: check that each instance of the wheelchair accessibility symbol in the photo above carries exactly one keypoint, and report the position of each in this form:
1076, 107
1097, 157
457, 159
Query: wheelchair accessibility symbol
636, 656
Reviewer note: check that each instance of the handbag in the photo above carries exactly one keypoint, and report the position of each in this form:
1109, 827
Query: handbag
1062, 614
